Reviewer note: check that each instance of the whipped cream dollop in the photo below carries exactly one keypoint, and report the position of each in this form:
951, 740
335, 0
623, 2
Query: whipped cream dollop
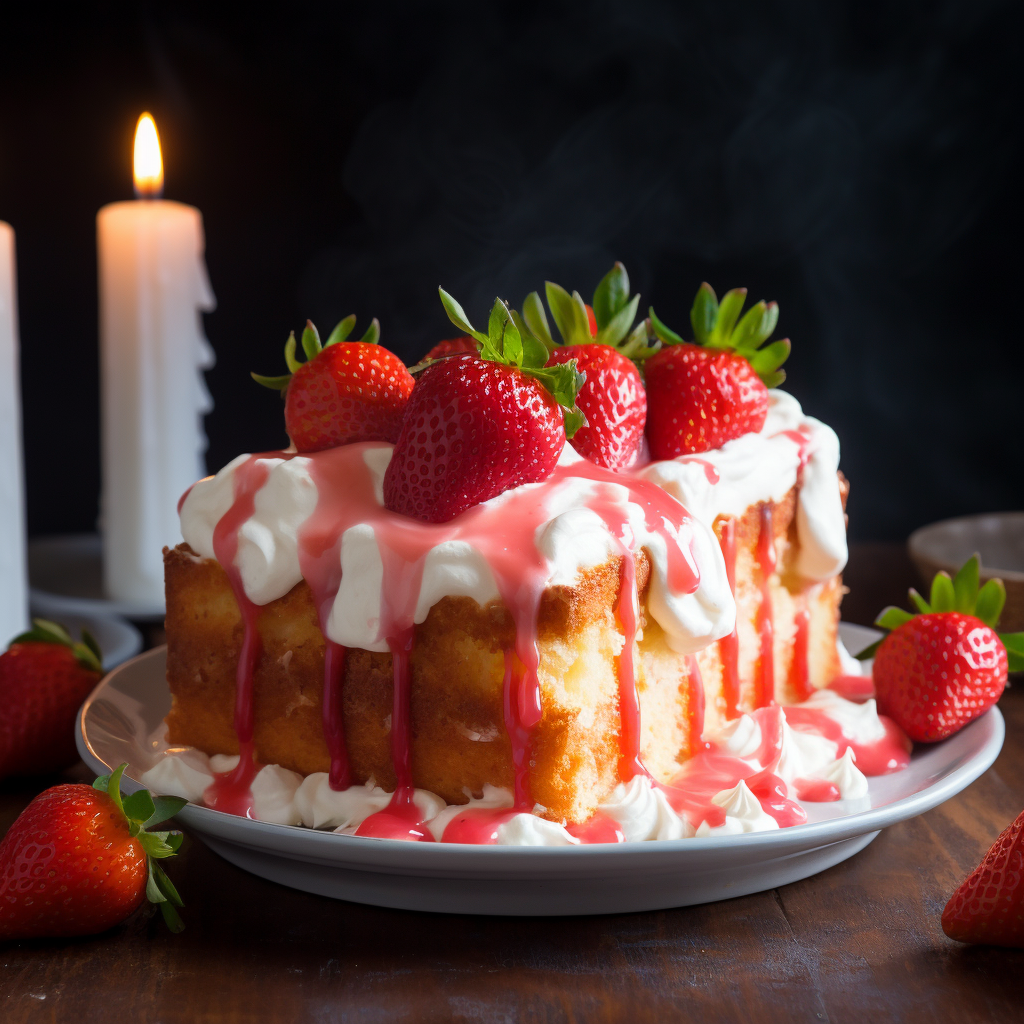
572, 512
643, 812
743, 813
764, 466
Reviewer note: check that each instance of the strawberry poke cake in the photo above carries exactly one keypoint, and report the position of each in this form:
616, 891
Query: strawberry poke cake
531, 591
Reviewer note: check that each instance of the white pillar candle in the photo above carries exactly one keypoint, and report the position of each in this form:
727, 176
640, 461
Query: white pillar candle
13, 586
153, 286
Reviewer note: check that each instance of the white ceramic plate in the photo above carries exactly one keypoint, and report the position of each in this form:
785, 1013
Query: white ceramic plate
65, 577
526, 881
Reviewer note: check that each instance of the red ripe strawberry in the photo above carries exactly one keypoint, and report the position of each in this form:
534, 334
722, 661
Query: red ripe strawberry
78, 861
476, 426
347, 391
44, 677
604, 342
613, 400
940, 669
701, 395
988, 907
452, 346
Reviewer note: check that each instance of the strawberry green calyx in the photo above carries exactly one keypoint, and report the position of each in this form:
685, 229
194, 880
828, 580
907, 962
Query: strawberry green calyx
715, 326
614, 314
312, 347
142, 810
960, 593
87, 653
510, 342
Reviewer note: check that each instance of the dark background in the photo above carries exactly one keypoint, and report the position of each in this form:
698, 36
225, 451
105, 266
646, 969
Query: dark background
857, 162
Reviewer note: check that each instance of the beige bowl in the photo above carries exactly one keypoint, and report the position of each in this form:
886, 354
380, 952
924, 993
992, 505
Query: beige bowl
998, 537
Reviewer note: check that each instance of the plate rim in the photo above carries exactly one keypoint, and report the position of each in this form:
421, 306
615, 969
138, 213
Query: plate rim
393, 856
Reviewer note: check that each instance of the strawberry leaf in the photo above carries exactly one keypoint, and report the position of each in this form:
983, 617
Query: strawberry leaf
663, 333
965, 586
164, 807
1014, 644
289, 354
943, 597
892, 617
919, 602
311, 341
537, 321
990, 601
87, 652
274, 383
703, 315
457, 315
610, 298
771, 357
341, 331
756, 326
160, 890
535, 353
138, 806
561, 305
312, 347
371, 336
729, 309
619, 326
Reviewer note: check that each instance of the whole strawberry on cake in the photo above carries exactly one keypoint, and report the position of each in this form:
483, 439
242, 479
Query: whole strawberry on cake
542, 594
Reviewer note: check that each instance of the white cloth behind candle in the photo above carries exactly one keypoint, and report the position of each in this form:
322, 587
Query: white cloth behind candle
153, 285
13, 588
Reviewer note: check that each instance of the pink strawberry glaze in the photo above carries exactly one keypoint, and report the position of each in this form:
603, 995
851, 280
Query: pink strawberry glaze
801, 437
598, 828
765, 693
232, 791
628, 612
477, 825
710, 471
818, 791
855, 688
729, 646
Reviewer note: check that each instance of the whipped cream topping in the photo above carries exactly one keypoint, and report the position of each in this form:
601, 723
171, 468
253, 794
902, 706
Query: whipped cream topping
641, 809
743, 813
572, 510
846, 777
643, 812
765, 466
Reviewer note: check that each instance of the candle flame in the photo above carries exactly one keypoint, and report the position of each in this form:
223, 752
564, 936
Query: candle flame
149, 165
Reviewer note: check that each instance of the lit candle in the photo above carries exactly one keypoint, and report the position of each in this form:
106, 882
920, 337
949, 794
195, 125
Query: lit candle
153, 285
13, 588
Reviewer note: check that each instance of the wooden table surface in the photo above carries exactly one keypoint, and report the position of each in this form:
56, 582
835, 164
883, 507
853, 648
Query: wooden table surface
860, 942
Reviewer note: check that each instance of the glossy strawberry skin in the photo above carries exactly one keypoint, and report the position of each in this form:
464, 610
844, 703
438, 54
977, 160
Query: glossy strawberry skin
452, 346
472, 430
613, 400
349, 392
698, 398
42, 686
988, 907
68, 866
937, 672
